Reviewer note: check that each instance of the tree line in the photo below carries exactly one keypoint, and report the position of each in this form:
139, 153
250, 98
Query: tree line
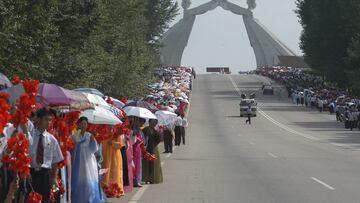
331, 39
112, 45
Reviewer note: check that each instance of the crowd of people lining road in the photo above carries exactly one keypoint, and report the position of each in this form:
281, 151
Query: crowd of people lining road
308, 90
60, 145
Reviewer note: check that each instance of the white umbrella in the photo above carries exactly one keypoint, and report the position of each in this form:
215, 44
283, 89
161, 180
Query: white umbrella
97, 100
139, 112
90, 90
166, 117
100, 116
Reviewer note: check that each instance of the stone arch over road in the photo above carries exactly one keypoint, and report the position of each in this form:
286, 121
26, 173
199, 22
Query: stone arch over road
267, 47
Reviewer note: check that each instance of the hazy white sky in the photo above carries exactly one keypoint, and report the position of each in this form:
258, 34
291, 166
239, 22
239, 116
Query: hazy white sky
219, 37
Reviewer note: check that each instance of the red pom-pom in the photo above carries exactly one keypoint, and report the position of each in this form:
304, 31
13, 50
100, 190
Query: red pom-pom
112, 190
31, 86
17, 159
124, 100
34, 198
100, 132
16, 80
5, 116
109, 101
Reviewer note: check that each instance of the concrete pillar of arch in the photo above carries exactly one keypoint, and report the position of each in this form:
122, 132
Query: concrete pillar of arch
175, 40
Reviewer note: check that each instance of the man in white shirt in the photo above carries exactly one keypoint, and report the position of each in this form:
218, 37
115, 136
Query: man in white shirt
180, 125
45, 155
248, 111
353, 117
184, 125
320, 105
178, 131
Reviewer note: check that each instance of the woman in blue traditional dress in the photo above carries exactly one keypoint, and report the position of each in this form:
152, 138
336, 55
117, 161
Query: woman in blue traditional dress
85, 178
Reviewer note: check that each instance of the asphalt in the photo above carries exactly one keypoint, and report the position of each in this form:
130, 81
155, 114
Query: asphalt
288, 154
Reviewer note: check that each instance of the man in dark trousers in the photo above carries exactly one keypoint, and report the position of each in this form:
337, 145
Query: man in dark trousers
248, 115
45, 155
178, 131
180, 126
168, 139
193, 73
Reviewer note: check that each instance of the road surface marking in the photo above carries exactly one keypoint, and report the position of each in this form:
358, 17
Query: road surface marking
273, 120
235, 85
323, 183
341, 145
285, 127
272, 155
252, 143
137, 196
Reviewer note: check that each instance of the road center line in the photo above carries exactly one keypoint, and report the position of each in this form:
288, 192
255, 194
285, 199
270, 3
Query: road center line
272, 155
322, 183
285, 127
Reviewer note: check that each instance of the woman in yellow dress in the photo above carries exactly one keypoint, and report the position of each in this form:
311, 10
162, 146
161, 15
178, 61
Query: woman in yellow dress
113, 161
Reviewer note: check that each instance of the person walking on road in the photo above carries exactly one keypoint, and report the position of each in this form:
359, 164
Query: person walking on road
248, 115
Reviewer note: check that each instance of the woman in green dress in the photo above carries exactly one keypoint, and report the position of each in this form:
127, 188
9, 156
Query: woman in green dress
152, 172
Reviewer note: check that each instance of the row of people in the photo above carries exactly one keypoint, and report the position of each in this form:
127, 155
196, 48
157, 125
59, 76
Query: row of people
120, 157
95, 167
312, 91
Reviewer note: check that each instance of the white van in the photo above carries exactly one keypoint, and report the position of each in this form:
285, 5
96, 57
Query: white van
244, 106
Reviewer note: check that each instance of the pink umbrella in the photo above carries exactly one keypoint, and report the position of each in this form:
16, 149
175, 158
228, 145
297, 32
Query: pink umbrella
56, 96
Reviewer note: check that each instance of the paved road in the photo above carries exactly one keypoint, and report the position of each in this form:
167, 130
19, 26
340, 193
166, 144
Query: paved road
289, 153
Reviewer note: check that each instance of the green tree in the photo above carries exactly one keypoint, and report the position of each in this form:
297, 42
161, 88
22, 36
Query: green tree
126, 62
159, 13
27, 38
109, 45
75, 21
329, 30
353, 58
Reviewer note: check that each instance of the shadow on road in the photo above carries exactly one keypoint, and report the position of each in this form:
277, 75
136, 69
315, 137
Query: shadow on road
350, 137
321, 124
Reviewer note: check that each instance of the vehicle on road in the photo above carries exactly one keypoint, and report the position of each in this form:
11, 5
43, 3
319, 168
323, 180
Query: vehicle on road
244, 106
268, 90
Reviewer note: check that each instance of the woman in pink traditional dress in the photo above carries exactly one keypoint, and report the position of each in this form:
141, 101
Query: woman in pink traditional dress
128, 172
137, 138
